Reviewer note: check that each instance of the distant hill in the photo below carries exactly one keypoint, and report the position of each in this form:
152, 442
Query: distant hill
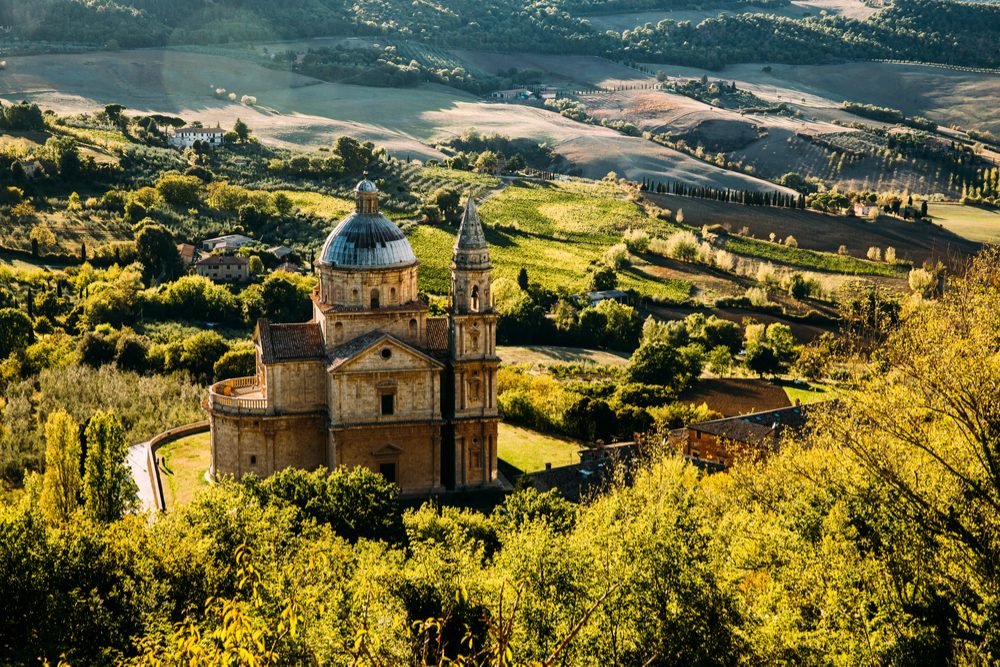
921, 30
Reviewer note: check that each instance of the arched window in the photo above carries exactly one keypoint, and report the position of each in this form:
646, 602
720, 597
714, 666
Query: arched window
475, 298
354, 297
392, 295
338, 332
413, 328
375, 299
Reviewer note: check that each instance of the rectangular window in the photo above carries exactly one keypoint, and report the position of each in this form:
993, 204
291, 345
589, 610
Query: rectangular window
253, 459
388, 404
388, 470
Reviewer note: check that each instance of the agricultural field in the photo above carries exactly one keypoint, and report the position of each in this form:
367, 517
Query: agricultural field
914, 242
315, 203
737, 396
974, 223
182, 471
811, 259
295, 111
529, 451
809, 392
540, 355
555, 230
796, 9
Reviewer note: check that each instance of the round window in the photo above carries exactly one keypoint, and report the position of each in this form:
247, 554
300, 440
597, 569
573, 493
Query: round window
386, 353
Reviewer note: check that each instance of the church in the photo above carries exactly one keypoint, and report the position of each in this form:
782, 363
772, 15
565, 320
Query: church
372, 379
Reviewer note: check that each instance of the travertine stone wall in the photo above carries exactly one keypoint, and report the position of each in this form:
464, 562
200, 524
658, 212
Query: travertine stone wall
414, 449
475, 452
296, 386
262, 445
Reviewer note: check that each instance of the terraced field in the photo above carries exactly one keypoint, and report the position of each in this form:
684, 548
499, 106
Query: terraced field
556, 231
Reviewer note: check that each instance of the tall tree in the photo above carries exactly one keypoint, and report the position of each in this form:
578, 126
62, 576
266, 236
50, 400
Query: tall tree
108, 488
16, 331
156, 251
61, 483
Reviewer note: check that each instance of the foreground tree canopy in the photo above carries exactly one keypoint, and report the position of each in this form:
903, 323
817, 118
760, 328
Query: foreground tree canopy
874, 540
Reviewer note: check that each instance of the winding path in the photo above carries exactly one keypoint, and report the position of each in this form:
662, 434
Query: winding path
138, 463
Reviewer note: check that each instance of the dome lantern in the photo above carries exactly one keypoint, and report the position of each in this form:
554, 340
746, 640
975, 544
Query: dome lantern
366, 197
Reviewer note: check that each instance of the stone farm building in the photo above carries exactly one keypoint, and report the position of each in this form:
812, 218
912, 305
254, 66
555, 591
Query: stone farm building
372, 379
186, 137
223, 268
715, 444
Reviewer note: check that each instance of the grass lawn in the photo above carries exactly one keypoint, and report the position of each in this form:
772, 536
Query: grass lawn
553, 354
529, 451
182, 472
556, 231
971, 222
810, 393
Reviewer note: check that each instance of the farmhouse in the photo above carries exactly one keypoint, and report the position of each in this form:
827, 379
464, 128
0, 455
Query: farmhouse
228, 243
223, 268
717, 443
594, 298
185, 137
512, 94
865, 210
372, 379
188, 253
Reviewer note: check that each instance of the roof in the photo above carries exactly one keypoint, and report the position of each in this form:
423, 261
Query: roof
223, 260
289, 342
756, 426
437, 333
186, 250
606, 294
200, 130
352, 348
367, 241
234, 238
364, 185
280, 251
470, 232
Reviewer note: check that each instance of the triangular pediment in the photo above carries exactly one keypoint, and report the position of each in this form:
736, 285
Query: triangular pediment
387, 450
380, 352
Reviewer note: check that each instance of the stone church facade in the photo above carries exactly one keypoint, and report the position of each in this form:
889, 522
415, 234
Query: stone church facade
372, 379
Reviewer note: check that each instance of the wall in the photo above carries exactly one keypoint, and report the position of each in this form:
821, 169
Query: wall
157, 441
414, 448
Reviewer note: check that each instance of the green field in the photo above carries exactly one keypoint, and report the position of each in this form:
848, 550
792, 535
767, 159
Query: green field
974, 223
810, 393
182, 471
554, 230
529, 451
320, 205
811, 259
554, 354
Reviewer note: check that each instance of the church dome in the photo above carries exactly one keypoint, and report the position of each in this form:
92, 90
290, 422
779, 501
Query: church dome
366, 238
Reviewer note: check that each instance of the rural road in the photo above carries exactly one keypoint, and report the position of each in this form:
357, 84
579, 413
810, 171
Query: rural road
137, 463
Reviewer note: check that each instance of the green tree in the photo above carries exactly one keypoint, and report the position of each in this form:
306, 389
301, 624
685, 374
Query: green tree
603, 279
201, 352
61, 483
16, 332
179, 190
242, 131
357, 503
662, 364
237, 363
283, 301
522, 278
256, 265
108, 488
157, 252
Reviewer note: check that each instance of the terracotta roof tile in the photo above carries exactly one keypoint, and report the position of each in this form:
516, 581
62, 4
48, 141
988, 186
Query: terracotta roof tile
289, 342
437, 333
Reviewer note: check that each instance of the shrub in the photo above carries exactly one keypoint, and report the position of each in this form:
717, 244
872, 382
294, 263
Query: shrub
616, 256
637, 241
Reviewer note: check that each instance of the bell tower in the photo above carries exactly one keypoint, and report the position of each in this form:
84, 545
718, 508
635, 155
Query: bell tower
474, 361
